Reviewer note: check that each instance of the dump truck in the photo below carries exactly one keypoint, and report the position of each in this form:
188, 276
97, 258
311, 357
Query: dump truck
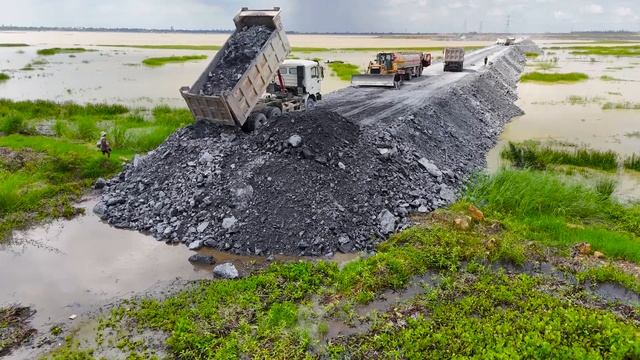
270, 85
390, 69
453, 59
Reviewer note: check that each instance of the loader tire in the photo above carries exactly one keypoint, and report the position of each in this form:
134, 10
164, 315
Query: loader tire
271, 111
254, 121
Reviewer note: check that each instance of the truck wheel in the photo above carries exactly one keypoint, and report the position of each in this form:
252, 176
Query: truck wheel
271, 112
254, 121
310, 104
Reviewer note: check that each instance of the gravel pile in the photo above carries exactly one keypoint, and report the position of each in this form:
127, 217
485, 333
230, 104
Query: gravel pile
314, 183
242, 47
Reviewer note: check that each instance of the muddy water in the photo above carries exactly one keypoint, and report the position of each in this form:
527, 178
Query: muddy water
549, 115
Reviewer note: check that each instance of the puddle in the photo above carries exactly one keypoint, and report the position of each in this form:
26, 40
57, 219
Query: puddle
615, 292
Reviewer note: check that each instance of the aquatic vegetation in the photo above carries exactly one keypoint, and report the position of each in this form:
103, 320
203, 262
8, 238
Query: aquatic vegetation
344, 71
14, 327
531, 55
632, 162
159, 61
55, 51
4, 77
633, 134
621, 106
13, 45
553, 77
170, 47
535, 156
609, 78
622, 51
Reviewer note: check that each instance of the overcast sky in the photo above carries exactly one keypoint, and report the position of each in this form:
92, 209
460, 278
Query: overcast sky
335, 15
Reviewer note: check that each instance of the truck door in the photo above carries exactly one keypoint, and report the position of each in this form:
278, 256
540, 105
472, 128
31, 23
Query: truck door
301, 84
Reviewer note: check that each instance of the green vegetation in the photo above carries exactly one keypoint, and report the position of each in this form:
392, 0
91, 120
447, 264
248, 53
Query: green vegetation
469, 310
344, 71
631, 51
171, 47
545, 65
55, 51
159, 61
531, 55
583, 100
13, 45
554, 77
39, 62
633, 134
609, 78
532, 155
42, 176
632, 162
4, 77
14, 328
621, 106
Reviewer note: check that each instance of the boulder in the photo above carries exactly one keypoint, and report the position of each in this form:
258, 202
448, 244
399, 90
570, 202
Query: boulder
100, 209
294, 141
199, 259
226, 271
387, 222
100, 184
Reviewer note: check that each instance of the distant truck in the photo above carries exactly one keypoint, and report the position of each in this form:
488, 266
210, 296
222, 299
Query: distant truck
510, 41
270, 86
390, 69
454, 59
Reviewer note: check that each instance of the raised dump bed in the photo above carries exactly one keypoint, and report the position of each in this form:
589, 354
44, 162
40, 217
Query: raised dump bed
216, 98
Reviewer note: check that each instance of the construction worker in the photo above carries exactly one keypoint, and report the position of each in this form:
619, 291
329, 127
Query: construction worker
486, 60
103, 144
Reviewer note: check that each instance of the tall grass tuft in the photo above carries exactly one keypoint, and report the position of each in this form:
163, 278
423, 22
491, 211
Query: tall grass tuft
12, 123
606, 187
530, 155
632, 162
4, 77
344, 71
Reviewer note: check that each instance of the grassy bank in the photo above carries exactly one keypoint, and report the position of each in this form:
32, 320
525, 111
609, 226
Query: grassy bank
464, 307
344, 71
55, 51
553, 77
159, 61
43, 175
632, 162
533, 155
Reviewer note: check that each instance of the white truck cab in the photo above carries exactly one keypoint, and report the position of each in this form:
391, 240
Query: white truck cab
302, 78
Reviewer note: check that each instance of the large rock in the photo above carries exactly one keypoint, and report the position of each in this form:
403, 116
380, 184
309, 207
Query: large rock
387, 222
295, 141
226, 271
100, 209
431, 168
199, 259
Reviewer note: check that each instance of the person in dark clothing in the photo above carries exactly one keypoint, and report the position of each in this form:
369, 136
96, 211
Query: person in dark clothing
103, 145
486, 60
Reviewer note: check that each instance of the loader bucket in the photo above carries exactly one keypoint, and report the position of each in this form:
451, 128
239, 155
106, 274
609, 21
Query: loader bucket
374, 80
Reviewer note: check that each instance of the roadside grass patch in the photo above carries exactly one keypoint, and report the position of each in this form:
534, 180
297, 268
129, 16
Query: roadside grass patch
554, 77
160, 61
46, 186
621, 106
55, 51
344, 71
632, 162
535, 156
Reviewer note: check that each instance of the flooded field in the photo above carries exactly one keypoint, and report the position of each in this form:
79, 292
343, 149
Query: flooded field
573, 113
117, 75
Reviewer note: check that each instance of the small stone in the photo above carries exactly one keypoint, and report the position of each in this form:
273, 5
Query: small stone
295, 141
431, 168
100, 209
205, 158
341, 165
196, 245
73, 316
168, 230
199, 259
598, 255
447, 194
100, 184
226, 271
462, 223
229, 222
202, 227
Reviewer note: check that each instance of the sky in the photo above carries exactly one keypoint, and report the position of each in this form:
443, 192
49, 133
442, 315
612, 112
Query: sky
455, 16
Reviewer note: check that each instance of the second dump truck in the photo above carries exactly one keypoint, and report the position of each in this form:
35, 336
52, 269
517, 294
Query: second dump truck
454, 59
390, 69
269, 86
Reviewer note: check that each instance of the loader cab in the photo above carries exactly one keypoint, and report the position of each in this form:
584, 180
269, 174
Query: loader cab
385, 60
301, 77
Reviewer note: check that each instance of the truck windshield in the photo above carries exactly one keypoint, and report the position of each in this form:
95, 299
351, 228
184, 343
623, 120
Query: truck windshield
385, 59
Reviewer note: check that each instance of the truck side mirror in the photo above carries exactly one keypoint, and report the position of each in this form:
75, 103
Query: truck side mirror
322, 72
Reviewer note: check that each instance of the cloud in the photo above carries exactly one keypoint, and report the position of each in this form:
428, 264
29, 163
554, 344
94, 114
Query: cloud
623, 11
592, 9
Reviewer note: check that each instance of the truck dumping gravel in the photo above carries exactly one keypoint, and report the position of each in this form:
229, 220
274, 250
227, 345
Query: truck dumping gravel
242, 47
317, 182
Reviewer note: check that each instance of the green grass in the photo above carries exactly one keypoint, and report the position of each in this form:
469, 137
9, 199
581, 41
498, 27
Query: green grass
13, 45
170, 47
55, 51
545, 65
621, 106
610, 78
632, 162
4, 77
282, 311
159, 61
621, 51
531, 55
344, 71
536, 156
59, 169
553, 77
